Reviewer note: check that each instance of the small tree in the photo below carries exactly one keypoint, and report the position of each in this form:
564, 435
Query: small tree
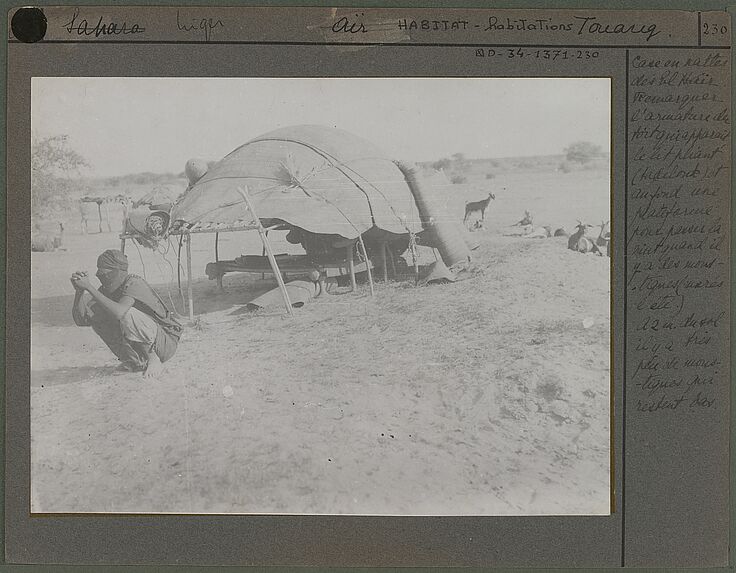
583, 152
53, 165
442, 164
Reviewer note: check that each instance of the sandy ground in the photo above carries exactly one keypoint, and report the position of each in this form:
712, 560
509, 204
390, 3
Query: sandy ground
487, 396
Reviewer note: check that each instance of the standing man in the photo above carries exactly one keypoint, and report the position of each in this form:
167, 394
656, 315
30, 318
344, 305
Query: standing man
127, 314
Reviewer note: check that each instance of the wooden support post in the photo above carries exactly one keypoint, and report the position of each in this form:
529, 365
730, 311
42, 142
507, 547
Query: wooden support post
124, 203
217, 260
367, 264
351, 266
83, 218
178, 268
188, 239
263, 254
384, 263
415, 259
391, 261
122, 245
107, 217
99, 216
269, 252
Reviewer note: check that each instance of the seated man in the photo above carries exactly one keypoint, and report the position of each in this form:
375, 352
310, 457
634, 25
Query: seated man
127, 314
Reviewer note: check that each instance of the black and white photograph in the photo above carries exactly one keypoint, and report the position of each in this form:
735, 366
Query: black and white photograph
321, 296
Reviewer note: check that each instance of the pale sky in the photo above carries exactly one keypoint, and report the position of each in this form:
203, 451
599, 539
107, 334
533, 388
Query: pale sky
130, 125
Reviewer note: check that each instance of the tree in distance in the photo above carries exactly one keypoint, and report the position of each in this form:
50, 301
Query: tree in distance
53, 165
583, 152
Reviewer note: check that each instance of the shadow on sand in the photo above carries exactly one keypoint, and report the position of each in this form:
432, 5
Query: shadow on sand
56, 311
73, 374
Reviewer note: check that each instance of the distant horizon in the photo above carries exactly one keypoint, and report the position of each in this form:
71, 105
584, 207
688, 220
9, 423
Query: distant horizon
154, 125
182, 175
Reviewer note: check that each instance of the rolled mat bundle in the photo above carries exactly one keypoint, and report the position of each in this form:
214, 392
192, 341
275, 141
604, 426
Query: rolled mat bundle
151, 224
444, 233
300, 292
436, 273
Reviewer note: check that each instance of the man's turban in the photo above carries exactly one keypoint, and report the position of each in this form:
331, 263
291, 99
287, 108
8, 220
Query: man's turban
112, 259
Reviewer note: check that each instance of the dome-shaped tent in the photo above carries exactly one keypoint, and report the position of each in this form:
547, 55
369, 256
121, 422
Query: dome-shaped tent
320, 179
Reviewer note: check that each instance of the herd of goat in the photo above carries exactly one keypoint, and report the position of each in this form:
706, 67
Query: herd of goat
579, 241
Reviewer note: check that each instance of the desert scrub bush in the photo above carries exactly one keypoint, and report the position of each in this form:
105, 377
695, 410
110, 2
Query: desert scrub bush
525, 164
442, 164
457, 179
582, 152
550, 389
490, 175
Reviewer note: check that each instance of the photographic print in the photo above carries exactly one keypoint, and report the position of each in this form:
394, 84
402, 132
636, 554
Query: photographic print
368, 296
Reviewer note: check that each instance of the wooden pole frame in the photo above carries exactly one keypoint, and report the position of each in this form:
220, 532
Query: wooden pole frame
107, 216
391, 261
351, 266
99, 216
415, 257
367, 264
263, 254
188, 239
384, 262
217, 260
186, 236
243, 191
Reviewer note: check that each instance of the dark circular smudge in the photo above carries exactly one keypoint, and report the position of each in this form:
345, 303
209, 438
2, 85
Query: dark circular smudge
29, 24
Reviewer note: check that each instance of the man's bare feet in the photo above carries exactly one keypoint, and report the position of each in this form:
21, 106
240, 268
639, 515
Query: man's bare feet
154, 367
129, 367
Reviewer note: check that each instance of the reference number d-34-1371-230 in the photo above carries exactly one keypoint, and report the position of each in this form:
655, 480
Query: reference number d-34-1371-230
541, 54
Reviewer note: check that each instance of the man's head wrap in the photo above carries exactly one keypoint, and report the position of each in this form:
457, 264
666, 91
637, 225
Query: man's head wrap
113, 259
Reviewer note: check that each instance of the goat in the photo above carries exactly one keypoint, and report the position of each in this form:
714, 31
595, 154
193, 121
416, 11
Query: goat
604, 235
580, 243
45, 242
478, 206
525, 221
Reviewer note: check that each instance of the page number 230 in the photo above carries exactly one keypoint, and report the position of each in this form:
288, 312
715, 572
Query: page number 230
714, 29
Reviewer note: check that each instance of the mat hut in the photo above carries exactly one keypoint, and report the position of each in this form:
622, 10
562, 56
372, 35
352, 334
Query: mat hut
332, 191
